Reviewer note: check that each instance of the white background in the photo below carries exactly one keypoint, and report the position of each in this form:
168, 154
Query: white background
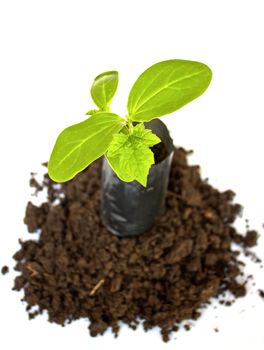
49, 53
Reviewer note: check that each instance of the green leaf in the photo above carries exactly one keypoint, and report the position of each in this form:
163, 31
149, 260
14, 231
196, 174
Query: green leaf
79, 145
104, 88
165, 87
129, 155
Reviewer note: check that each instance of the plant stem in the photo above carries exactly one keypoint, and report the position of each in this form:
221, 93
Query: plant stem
130, 126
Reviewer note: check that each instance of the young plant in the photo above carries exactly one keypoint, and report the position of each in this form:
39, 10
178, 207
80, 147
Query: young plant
125, 141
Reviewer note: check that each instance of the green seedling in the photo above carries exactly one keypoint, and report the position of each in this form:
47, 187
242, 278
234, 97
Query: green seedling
125, 141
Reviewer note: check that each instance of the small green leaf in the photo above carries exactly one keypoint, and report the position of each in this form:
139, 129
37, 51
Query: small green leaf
92, 111
165, 87
104, 88
130, 156
79, 145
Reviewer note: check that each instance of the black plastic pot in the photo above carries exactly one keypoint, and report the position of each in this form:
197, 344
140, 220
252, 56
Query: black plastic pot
127, 208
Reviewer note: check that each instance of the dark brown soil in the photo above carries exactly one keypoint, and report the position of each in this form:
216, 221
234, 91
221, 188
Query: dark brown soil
77, 269
4, 270
261, 293
251, 238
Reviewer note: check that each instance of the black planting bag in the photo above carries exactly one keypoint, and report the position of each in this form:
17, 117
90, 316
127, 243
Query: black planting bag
128, 208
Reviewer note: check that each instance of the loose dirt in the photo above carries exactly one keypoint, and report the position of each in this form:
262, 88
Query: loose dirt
77, 269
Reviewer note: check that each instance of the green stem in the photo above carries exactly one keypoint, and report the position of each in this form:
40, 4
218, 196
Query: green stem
130, 126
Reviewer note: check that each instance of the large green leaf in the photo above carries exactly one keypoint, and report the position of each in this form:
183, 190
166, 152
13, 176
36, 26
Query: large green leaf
165, 87
130, 156
79, 145
104, 88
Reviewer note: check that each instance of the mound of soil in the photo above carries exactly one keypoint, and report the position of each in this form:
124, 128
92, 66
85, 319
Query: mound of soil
76, 268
